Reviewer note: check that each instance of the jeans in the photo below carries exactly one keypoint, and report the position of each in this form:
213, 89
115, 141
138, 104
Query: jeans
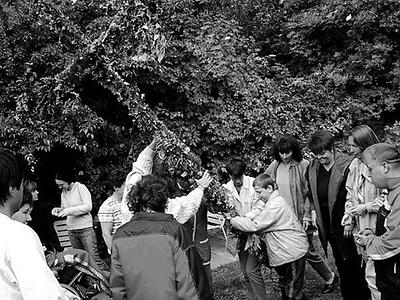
317, 262
352, 276
370, 277
85, 239
286, 276
251, 269
388, 277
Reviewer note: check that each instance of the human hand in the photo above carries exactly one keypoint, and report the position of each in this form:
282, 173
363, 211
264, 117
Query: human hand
156, 140
366, 232
62, 213
306, 224
55, 211
358, 210
69, 258
205, 180
360, 239
348, 230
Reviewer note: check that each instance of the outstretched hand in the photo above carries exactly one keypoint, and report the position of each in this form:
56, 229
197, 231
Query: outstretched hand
154, 142
205, 180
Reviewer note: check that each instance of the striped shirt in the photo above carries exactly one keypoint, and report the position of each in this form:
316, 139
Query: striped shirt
110, 211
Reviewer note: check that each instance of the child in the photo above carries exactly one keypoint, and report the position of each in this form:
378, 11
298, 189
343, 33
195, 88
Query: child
282, 232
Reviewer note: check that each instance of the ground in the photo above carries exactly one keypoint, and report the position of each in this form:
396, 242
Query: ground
229, 283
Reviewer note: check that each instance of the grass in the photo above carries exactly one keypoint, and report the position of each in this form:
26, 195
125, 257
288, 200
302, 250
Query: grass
229, 282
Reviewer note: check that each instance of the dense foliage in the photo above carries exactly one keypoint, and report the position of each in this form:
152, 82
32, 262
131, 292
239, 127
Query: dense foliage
84, 83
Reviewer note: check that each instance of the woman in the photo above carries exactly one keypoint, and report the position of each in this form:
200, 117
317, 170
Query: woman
109, 214
23, 215
76, 205
363, 198
289, 172
153, 256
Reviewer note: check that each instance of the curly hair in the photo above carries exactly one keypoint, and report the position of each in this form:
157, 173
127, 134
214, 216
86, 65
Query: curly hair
284, 145
149, 193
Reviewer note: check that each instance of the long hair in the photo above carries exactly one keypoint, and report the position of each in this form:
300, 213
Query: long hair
364, 136
284, 145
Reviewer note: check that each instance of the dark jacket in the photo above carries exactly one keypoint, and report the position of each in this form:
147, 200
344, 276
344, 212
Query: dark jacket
298, 186
336, 201
153, 258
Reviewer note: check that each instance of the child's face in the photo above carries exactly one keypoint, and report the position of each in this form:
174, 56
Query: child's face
262, 193
23, 215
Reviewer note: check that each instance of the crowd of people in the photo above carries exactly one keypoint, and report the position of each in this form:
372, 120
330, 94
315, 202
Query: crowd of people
156, 231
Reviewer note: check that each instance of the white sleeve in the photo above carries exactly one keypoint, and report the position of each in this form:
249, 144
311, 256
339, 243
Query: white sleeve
34, 278
141, 167
183, 208
263, 222
86, 205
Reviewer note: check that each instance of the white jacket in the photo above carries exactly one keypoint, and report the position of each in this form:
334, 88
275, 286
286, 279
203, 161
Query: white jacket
279, 227
182, 208
244, 202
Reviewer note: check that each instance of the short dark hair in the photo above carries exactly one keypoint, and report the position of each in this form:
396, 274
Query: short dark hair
236, 167
150, 192
364, 136
263, 181
66, 175
11, 174
284, 145
322, 140
382, 152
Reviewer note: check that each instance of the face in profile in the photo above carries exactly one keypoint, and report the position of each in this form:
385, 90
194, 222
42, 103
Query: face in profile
377, 171
62, 185
354, 149
23, 215
262, 193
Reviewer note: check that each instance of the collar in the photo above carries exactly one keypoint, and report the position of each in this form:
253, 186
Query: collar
394, 190
152, 216
274, 195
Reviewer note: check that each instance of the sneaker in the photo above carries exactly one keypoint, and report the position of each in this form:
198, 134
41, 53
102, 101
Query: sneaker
329, 288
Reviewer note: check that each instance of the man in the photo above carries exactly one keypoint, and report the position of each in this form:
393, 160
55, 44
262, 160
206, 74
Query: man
383, 161
327, 175
23, 270
242, 197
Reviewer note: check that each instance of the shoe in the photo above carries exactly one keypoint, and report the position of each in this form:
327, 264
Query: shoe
329, 288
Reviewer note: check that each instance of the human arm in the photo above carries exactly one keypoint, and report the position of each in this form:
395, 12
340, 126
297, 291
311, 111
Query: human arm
34, 278
117, 281
264, 221
387, 244
256, 210
141, 167
85, 206
106, 230
183, 208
